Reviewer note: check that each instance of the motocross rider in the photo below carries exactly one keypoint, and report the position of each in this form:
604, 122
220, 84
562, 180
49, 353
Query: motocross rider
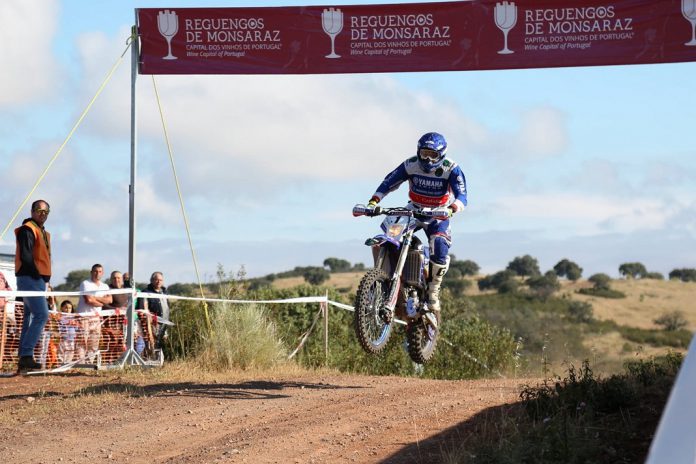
434, 181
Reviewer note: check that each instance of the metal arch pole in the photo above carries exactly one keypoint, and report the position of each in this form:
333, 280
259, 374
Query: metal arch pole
131, 356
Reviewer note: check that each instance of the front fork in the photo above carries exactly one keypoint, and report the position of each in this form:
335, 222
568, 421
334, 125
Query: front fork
398, 269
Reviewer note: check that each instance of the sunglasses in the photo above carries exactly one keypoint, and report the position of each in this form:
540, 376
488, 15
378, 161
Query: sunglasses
42, 211
426, 153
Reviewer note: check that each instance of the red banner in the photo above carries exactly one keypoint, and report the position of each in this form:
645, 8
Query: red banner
449, 36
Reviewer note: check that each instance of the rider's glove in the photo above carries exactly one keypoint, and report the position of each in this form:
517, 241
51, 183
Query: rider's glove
443, 213
373, 202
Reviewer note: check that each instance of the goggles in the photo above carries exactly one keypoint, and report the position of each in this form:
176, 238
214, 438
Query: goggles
428, 154
42, 211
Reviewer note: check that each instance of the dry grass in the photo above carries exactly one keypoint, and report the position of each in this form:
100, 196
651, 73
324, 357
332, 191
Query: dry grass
646, 299
342, 280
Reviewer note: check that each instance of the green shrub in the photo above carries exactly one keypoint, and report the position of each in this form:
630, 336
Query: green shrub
672, 321
579, 418
456, 286
544, 286
600, 280
580, 311
654, 275
242, 337
497, 280
602, 292
676, 339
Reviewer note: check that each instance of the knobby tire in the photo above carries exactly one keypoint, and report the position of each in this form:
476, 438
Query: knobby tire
421, 345
371, 329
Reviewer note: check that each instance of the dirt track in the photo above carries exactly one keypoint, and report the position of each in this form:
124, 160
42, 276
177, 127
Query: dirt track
307, 419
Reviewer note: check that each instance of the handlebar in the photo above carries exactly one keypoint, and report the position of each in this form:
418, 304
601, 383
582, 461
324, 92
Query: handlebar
434, 213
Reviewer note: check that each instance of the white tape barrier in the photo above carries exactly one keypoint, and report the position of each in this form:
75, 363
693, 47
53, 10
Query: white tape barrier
29, 293
122, 291
304, 299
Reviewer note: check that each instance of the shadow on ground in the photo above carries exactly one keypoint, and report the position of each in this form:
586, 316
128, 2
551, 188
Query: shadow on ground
243, 390
449, 446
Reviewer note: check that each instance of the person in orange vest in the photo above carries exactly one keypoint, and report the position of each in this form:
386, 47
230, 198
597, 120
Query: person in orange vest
33, 271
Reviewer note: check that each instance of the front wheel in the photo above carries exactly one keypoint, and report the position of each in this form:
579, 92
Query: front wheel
422, 339
373, 321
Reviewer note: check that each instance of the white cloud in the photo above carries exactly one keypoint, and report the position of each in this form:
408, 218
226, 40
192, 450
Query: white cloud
543, 132
589, 214
270, 130
29, 70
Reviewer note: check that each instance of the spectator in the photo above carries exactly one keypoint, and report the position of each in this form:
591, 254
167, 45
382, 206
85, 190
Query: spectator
50, 299
33, 271
7, 314
89, 307
119, 301
113, 326
158, 306
138, 318
5, 286
126, 280
67, 326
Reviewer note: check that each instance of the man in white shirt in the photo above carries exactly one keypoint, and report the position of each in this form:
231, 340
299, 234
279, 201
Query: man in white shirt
90, 305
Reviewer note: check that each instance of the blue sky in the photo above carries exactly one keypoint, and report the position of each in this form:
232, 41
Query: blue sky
596, 164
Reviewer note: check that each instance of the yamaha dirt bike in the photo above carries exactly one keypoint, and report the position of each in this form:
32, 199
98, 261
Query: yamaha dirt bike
397, 286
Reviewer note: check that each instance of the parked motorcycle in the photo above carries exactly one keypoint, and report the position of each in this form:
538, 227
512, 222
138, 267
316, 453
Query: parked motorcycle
396, 287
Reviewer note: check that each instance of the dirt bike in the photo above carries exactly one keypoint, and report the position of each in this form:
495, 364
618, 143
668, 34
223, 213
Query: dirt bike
397, 285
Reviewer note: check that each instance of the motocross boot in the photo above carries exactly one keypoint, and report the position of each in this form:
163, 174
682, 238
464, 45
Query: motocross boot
437, 273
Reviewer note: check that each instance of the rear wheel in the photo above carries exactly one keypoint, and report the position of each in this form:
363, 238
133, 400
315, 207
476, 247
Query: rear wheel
422, 339
373, 321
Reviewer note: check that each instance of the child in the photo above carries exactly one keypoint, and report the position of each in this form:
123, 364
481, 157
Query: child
68, 329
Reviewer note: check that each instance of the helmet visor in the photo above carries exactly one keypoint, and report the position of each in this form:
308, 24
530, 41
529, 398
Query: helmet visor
427, 154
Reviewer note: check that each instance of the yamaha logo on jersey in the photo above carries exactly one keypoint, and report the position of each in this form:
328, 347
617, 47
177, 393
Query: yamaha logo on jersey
428, 184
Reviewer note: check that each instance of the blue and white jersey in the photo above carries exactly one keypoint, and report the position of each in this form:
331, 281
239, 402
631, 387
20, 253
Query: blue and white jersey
444, 186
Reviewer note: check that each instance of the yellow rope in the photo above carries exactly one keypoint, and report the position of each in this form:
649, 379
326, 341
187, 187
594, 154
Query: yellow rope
65, 142
181, 203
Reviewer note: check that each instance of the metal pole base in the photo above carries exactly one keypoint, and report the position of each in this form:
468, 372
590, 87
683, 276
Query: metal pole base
131, 358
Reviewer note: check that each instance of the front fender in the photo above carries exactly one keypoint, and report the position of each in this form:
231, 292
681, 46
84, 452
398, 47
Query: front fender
379, 240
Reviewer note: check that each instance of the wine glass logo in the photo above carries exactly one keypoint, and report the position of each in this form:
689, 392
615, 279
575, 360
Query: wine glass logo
332, 23
168, 25
689, 12
505, 19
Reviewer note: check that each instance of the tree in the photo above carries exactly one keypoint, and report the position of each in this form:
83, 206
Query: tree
316, 275
544, 286
358, 267
73, 280
632, 270
466, 267
685, 275
568, 269
600, 280
337, 265
654, 276
524, 266
495, 281
456, 286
